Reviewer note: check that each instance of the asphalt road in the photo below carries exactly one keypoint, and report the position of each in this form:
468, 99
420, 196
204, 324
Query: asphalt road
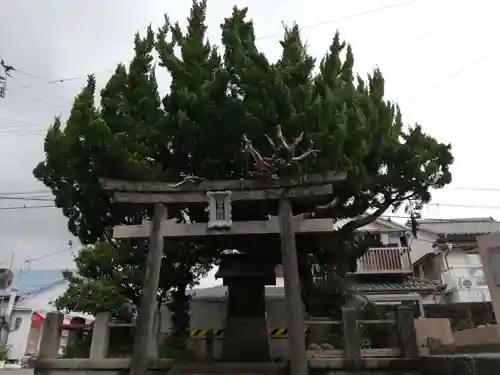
24, 371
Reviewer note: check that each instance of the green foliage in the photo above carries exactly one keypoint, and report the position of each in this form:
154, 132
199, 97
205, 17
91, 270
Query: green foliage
107, 279
197, 128
376, 334
79, 347
4, 352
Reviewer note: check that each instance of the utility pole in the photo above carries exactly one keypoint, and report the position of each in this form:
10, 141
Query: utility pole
4, 73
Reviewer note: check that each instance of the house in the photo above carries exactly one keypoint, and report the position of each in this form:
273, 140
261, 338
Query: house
31, 295
446, 250
384, 273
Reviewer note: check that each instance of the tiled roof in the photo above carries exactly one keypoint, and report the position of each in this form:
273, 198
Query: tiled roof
376, 225
408, 284
482, 225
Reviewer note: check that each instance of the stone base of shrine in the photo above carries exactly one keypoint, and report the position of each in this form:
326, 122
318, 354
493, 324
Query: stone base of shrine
246, 340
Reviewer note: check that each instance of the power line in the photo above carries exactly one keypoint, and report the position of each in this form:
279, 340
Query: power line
48, 255
450, 77
470, 188
48, 192
268, 36
41, 191
345, 18
27, 207
427, 204
432, 32
463, 205
27, 198
59, 80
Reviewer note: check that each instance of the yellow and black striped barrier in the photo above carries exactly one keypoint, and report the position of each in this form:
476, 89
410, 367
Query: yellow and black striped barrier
201, 333
219, 333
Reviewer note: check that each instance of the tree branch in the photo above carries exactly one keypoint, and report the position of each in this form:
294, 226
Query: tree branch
352, 225
188, 178
278, 162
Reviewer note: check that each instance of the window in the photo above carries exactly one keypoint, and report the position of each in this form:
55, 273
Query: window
473, 259
394, 239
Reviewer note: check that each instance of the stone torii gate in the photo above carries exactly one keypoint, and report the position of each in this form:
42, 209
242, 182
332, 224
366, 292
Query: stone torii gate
219, 196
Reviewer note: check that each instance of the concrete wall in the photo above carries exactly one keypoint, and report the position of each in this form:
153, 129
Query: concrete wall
210, 313
485, 364
477, 336
467, 364
438, 329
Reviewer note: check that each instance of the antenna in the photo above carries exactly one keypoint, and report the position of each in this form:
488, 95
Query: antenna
11, 263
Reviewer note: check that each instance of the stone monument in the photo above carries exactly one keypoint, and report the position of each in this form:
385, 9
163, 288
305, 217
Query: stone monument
246, 335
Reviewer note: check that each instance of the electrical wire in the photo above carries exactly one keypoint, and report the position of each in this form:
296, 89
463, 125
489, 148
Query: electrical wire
263, 37
344, 18
317, 24
426, 34
48, 255
47, 192
452, 76
27, 198
27, 207
59, 80
427, 204
28, 192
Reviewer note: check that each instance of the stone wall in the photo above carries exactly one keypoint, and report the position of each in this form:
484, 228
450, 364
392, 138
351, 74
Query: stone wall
210, 313
467, 364
478, 364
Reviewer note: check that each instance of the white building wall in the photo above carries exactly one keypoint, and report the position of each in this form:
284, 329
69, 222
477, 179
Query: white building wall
420, 246
469, 295
464, 278
457, 258
18, 338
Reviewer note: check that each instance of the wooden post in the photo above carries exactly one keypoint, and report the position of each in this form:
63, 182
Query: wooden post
407, 333
51, 335
154, 343
352, 335
100, 336
295, 323
147, 306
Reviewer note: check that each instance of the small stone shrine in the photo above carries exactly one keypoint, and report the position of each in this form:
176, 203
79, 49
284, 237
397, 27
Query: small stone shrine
246, 334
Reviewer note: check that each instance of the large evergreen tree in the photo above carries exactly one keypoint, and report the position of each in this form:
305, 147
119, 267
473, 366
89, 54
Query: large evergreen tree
197, 128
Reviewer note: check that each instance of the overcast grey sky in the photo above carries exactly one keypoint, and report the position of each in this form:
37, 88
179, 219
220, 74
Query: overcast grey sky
439, 59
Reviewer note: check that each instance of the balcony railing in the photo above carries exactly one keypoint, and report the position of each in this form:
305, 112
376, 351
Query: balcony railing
464, 277
385, 260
